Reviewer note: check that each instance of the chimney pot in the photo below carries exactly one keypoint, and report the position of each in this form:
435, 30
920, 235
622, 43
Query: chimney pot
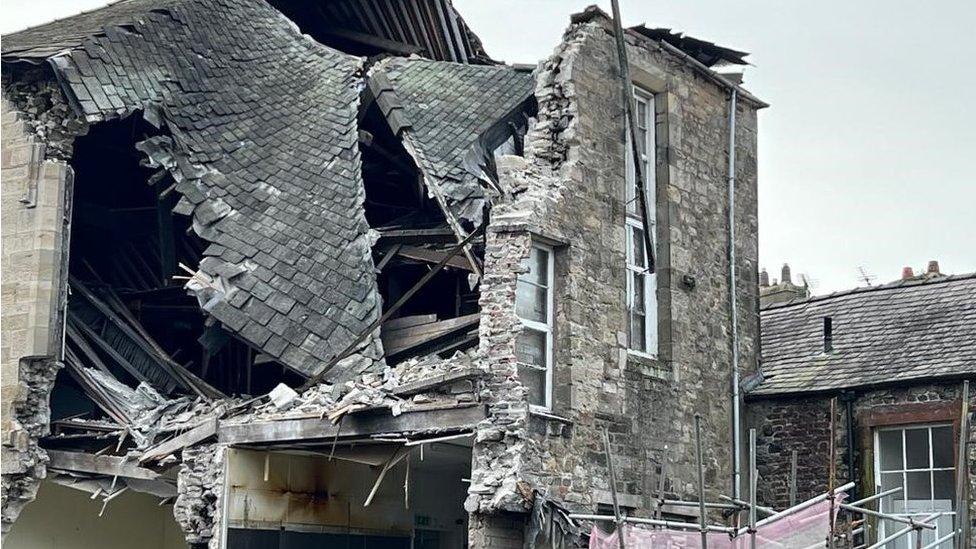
763, 278
933, 267
907, 273
785, 274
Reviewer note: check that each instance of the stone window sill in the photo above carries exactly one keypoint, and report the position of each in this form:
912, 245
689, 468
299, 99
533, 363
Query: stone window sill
650, 366
548, 415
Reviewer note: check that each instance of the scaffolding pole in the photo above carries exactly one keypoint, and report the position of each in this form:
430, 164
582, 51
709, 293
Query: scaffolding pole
881, 542
702, 513
613, 490
654, 522
753, 481
793, 479
962, 472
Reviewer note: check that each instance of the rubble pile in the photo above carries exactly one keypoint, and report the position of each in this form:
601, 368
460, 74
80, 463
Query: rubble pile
399, 388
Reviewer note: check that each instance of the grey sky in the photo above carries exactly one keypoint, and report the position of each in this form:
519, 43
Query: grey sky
866, 154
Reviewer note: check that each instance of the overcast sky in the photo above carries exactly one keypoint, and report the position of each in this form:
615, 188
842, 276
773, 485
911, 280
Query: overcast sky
866, 156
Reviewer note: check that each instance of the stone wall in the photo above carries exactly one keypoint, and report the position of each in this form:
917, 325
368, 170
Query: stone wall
568, 192
802, 423
36, 211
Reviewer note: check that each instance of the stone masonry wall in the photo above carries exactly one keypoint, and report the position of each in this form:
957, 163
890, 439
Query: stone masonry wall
35, 210
568, 191
802, 423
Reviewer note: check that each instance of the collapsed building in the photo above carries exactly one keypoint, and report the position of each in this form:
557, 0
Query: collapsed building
308, 273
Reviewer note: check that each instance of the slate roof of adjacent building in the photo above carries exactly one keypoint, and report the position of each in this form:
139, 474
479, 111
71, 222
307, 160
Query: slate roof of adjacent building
896, 333
448, 110
263, 149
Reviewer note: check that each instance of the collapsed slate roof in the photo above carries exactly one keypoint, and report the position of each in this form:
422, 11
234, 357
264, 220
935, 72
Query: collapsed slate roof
263, 152
451, 116
899, 332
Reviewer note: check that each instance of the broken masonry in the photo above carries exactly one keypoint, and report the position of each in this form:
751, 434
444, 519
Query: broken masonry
285, 293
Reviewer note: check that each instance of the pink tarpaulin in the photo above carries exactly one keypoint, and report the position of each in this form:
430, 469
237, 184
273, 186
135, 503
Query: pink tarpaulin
806, 528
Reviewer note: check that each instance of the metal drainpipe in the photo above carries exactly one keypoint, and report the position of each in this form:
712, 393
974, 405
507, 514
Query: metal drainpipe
733, 305
848, 398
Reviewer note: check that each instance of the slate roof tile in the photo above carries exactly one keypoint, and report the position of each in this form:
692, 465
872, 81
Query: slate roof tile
449, 107
893, 333
250, 102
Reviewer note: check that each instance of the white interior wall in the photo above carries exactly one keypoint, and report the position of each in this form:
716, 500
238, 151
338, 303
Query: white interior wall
309, 493
63, 517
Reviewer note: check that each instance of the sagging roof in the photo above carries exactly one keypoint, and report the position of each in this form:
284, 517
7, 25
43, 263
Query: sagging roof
896, 333
450, 117
263, 152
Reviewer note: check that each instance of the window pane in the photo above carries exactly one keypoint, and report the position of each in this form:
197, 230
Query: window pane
944, 485
642, 140
637, 292
538, 265
637, 246
942, 443
530, 301
530, 348
637, 332
535, 382
641, 113
892, 503
919, 485
917, 448
891, 454
902, 542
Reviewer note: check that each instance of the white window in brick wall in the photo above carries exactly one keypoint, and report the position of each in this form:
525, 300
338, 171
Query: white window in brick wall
919, 460
533, 304
641, 284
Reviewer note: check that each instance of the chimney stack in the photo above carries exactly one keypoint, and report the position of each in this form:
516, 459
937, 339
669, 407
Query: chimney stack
763, 278
933, 267
785, 275
907, 273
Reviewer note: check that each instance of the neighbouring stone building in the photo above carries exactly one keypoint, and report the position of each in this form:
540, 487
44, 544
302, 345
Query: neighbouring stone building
782, 290
893, 359
308, 273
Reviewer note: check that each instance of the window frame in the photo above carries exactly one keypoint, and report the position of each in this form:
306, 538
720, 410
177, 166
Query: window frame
546, 328
905, 469
634, 221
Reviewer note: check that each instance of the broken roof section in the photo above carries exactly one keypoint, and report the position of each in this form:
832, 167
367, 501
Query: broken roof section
705, 52
904, 331
450, 118
430, 28
262, 149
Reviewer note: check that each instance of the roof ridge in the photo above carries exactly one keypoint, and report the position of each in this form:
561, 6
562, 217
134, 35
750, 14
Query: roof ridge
897, 284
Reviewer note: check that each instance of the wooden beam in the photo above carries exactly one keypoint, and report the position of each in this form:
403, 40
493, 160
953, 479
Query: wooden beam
397, 341
102, 465
193, 436
373, 41
407, 321
353, 425
432, 256
74, 323
392, 310
417, 236
398, 455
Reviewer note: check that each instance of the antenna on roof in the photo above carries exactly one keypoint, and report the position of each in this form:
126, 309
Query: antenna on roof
809, 281
864, 275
